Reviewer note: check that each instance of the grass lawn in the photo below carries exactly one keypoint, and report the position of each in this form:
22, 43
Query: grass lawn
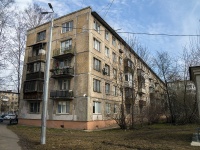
153, 137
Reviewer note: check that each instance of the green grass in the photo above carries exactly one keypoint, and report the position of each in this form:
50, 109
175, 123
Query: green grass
152, 137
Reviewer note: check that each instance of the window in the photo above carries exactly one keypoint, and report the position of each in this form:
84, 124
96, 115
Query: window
120, 61
114, 57
34, 107
97, 45
96, 85
113, 41
32, 86
114, 73
106, 35
96, 107
115, 108
96, 64
108, 110
64, 84
128, 77
115, 90
63, 107
130, 64
66, 45
41, 36
68, 26
107, 51
107, 88
121, 76
97, 26
35, 67
107, 69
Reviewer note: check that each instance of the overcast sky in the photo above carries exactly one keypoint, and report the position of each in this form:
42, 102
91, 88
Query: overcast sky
148, 16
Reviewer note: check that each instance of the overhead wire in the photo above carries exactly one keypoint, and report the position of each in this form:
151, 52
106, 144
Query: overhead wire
141, 33
108, 8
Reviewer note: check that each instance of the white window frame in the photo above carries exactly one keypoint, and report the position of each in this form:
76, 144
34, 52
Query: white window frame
107, 69
97, 45
107, 52
66, 45
96, 26
107, 88
114, 57
67, 26
63, 107
115, 109
114, 43
106, 35
96, 107
114, 90
114, 73
108, 108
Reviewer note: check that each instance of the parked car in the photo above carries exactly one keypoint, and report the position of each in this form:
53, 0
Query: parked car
10, 116
1, 119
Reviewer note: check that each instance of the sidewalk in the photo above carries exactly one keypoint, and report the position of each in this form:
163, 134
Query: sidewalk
8, 139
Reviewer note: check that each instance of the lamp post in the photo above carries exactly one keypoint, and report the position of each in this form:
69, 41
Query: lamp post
46, 81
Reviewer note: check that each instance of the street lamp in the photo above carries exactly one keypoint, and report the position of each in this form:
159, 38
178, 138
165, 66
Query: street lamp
46, 81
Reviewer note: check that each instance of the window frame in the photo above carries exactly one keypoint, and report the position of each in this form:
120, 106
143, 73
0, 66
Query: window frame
67, 47
97, 85
41, 36
97, 26
107, 51
34, 110
65, 28
96, 64
97, 45
106, 35
114, 43
114, 90
107, 69
108, 108
107, 88
62, 110
96, 107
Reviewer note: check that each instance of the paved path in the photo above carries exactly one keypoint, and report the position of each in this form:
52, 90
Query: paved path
8, 139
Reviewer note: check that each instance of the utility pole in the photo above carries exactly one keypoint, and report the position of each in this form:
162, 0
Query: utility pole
46, 81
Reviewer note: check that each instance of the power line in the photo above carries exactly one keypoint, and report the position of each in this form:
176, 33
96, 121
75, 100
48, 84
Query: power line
140, 33
109, 8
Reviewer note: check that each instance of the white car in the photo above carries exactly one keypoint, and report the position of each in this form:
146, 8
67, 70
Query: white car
10, 116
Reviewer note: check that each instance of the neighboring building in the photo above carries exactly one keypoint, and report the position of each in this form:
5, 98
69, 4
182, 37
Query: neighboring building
8, 102
179, 85
90, 63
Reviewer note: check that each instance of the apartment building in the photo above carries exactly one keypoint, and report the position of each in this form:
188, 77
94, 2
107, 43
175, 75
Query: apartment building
93, 71
8, 102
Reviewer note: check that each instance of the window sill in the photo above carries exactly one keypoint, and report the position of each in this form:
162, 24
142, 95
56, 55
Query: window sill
62, 113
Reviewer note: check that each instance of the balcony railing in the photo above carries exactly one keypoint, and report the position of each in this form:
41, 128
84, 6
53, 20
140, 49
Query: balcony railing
35, 75
62, 53
33, 96
61, 94
128, 69
62, 72
128, 84
36, 58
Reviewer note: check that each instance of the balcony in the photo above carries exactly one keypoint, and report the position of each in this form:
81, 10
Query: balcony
36, 58
35, 75
62, 72
128, 84
141, 90
128, 69
62, 54
33, 96
61, 94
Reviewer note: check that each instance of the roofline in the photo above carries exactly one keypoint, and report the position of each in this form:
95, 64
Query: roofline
61, 17
103, 22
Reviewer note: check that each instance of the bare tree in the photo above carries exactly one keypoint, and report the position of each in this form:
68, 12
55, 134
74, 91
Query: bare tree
167, 70
5, 18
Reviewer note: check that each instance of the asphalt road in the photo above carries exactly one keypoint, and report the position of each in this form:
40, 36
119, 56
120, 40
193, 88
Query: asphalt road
8, 139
